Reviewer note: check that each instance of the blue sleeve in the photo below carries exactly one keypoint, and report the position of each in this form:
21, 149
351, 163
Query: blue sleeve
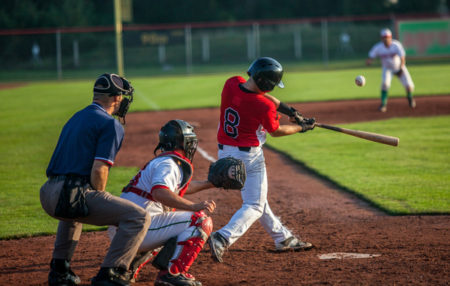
109, 142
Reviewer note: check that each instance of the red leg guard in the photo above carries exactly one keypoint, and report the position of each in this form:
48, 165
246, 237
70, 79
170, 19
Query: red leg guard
192, 246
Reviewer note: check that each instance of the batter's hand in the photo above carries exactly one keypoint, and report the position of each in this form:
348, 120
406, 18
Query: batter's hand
308, 124
205, 205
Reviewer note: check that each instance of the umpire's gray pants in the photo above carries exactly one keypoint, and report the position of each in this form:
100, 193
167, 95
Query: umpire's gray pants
104, 209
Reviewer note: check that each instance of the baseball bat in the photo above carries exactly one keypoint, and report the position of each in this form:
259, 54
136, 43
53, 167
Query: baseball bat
380, 138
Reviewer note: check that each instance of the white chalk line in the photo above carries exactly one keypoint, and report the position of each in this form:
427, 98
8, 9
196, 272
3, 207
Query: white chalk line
346, 255
206, 155
148, 101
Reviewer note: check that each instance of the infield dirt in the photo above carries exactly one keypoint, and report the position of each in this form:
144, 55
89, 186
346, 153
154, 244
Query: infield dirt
414, 250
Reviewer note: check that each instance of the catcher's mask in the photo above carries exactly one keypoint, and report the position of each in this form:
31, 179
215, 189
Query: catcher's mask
113, 85
267, 73
178, 134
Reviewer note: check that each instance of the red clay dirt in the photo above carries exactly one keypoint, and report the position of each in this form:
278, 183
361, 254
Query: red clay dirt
414, 250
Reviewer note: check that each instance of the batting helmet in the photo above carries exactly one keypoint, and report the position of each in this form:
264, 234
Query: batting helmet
178, 134
267, 73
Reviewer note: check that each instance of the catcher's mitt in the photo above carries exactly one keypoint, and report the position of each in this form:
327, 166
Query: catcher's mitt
227, 173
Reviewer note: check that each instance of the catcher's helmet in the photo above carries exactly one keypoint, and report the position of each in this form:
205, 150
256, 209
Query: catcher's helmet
178, 134
267, 73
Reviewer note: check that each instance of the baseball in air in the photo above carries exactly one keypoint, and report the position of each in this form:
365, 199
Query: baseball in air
360, 80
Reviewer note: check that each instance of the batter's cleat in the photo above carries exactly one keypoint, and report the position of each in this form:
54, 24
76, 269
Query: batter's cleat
411, 102
138, 262
292, 243
218, 245
61, 274
111, 277
164, 278
382, 108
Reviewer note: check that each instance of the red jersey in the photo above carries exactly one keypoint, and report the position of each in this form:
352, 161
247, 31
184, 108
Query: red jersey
245, 116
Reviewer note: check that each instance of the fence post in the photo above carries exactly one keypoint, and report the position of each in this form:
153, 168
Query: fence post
205, 48
58, 55
118, 30
76, 54
256, 36
325, 41
162, 53
297, 42
188, 45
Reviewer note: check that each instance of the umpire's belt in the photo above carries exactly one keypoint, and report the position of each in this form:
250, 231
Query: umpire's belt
244, 149
85, 179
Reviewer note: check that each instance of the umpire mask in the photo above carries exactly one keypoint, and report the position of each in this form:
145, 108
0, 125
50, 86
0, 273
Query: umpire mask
178, 134
113, 85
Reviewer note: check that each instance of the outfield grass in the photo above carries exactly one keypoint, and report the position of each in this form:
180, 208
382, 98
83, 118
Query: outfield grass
31, 118
204, 91
413, 178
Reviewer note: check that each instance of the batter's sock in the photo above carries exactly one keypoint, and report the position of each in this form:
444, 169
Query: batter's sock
409, 95
384, 97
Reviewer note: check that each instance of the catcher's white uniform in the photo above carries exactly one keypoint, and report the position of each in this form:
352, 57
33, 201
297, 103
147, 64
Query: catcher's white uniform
170, 171
391, 63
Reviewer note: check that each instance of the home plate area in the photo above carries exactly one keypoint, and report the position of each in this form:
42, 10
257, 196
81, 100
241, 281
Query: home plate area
346, 255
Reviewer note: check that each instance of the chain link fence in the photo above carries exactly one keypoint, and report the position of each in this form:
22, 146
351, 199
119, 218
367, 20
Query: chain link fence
181, 49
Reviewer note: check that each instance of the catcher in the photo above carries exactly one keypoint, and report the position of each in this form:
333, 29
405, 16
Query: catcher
176, 236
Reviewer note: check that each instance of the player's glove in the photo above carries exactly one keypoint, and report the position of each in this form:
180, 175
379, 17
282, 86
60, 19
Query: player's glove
399, 73
307, 124
297, 115
227, 173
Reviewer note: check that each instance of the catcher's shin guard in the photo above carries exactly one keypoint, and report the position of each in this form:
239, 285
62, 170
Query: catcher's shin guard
190, 243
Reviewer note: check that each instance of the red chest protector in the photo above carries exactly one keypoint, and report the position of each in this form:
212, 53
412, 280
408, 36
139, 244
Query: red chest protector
185, 165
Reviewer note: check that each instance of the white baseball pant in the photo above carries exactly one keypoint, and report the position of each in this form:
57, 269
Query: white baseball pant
254, 198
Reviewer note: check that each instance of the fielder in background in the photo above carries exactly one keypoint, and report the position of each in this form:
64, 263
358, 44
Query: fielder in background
247, 114
75, 190
159, 188
393, 61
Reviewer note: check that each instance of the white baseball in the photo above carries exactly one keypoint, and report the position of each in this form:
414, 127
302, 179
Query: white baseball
360, 80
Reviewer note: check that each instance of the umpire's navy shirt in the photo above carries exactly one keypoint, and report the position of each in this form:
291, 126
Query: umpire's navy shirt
91, 134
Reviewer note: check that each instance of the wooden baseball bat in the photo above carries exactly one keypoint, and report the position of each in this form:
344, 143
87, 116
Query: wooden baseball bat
380, 138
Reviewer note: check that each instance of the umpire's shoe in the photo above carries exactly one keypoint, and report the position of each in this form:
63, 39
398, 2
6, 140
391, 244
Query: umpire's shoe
218, 244
164, 278
61, 274
292, 243
111, 277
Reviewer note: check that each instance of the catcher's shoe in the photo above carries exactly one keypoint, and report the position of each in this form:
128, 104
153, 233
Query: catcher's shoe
164, 278
382, 108
218, 244
138, 262
61, 274
111, 277
292, 243
411, 102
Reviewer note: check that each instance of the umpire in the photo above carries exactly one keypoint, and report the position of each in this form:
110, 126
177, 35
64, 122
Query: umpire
75, 190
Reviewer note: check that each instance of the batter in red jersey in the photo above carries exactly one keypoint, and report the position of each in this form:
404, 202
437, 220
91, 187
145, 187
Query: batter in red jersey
247, 114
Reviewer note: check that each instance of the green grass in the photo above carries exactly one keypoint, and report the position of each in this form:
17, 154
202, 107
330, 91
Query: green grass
31, 118
204, 91
413, 178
